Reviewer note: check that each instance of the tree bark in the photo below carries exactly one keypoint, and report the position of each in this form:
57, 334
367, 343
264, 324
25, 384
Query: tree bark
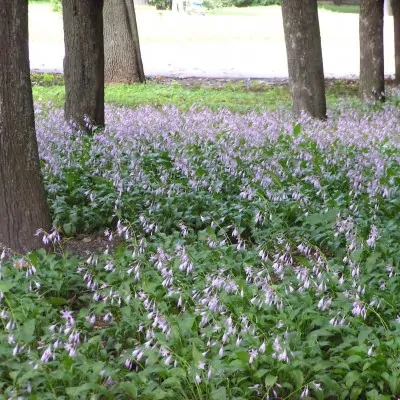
304, 54
123, 60
372, 79
396, 23
23, 205
84, 62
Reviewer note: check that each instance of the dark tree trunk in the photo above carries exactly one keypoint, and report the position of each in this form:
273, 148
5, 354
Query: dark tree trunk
304, 54
372, 80
123, 61
338, 2
84, 62
23, 205
396, 22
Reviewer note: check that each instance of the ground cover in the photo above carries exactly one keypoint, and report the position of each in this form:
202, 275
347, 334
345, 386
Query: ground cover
235, 95
251, 256
346, 9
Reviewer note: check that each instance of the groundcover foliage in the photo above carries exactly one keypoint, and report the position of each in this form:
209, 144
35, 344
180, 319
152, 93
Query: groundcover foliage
258, 259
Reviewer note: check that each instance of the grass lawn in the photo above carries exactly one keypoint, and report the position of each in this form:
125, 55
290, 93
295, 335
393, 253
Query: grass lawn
346, 9
235, 96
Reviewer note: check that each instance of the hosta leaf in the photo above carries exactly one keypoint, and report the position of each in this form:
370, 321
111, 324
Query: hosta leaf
27, 331
128, 388
298, 377
351, 378
197, 356
330, 384
270, 381
79, 390
219, 394
260, 373
6, 285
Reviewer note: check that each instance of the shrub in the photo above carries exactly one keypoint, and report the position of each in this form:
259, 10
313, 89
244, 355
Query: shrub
161, 4
56, 4
266, 2
212, 4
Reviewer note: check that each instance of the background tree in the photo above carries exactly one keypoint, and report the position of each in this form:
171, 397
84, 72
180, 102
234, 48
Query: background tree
395, 9
23, 206
304, 54
372, 80
123, 61
84, 61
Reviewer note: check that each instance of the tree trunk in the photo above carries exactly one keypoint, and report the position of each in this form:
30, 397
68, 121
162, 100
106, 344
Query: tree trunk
123, 61
304, 54
337, 2
372, 80
396, 23
84, 62
23, 205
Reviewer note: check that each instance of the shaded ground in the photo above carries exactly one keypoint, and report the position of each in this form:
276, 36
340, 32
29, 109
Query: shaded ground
85, 245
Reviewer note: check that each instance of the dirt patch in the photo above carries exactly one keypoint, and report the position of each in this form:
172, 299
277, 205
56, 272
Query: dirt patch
84, 246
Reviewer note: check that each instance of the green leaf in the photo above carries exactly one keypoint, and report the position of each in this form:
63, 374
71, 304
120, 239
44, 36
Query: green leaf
354, 359
243, 356
218, 394
375, 395
385, 376
330, 384
260, 373
200, 172
186, 324
150, 287
128, 388
296, 130
159, 394
351, 378
171, 382
197, 356
33, 259
78, 390
57, 301
236, 365
270, 381
27, 331
319, 332
355, 393
6, 285
363, 335
324, 218
370, 263
393, 384
298, 377
67, 228
366, 366
303, 261
342, 365
14, 375
274, 177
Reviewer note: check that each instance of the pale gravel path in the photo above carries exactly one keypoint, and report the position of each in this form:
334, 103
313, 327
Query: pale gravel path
230, 47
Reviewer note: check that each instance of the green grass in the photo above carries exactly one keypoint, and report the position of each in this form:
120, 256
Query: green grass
346, 9
252, 11
235, 99
255, 10
236, 96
